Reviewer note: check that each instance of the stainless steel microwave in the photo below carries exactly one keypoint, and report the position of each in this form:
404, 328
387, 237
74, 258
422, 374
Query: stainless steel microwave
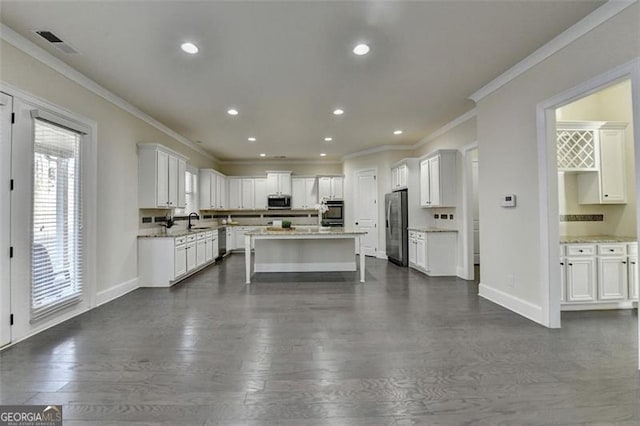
279, 202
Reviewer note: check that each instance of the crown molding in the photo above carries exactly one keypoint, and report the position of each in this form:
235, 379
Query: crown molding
580, 28
276, 162
376, 149
447, 127
35, 51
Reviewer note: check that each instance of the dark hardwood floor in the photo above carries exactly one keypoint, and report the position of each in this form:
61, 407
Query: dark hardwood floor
324, 349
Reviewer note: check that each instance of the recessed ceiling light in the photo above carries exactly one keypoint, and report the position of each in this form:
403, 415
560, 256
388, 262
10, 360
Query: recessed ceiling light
232, 111
251, 139
397, 132
263, 155
338, 111
189, 48
361, 49
323, 155
328, 139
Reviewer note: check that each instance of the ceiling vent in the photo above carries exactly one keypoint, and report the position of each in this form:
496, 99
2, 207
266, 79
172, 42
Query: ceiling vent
57, 42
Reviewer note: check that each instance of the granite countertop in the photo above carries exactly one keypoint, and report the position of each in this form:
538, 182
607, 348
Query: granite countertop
309, 230
570, 239
161, 233
427, 229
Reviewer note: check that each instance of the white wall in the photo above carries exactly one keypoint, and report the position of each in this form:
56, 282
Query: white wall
610, 104
510, 238
118, 134
382, 162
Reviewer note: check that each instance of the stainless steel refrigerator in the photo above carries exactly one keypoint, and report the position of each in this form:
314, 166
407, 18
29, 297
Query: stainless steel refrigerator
397, 220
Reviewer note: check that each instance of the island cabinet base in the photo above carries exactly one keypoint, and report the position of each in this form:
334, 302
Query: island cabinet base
305, 255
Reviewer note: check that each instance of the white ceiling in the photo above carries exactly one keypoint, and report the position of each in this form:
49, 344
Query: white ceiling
286, 65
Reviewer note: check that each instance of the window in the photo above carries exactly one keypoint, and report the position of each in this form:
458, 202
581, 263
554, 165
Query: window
57, 233
190, 191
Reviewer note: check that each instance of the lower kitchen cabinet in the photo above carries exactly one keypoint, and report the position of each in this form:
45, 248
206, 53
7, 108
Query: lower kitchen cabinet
165, 260
581, 279
598, 276
433, 252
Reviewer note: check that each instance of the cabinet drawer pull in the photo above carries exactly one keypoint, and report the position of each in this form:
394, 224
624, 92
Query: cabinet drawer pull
570, 264
606, 195
611, 250
624, 263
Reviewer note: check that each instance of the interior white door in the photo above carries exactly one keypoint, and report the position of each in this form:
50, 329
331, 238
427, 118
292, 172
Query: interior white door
366, 210
476, 213
6, 108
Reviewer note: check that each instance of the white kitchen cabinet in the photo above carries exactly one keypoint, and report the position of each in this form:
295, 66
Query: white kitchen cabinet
208, 247
304, 194
612, 278
235, 192
163, 261
260, 194
248, 193
180, 256
191, 256
633, 277
433, 253
608, 184
201, 251
212, 189
330, 187
279, 183
413, 249
421, 250
563, 281
438, 179
581, 279
160, 177
399, 177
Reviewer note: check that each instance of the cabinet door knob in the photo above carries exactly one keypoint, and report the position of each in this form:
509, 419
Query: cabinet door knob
580, 250
570, 264
611, 250
606, 195
562, 263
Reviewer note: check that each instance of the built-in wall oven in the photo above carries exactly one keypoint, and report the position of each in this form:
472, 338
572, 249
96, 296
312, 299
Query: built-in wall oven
334, 216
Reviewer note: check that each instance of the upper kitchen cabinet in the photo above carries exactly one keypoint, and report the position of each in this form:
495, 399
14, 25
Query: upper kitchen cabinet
279, 183
260, 193
608, 184
161, 174
331, 187
304, 193
213, 189
438, 179
399, 176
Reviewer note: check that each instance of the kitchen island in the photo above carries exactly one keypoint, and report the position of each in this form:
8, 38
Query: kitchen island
307, 249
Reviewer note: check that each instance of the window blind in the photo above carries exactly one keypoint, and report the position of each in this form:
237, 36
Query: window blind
57, 251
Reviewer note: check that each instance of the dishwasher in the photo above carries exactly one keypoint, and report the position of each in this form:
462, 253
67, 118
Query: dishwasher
222, 241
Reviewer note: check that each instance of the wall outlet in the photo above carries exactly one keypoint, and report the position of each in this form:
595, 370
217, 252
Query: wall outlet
511, 281
436, 216
450, 217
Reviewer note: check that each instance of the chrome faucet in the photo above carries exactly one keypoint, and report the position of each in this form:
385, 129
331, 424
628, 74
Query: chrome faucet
192, 214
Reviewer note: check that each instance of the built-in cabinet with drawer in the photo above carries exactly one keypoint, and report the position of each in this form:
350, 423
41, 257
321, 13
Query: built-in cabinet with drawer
330, 188
304, 192
438, 179
433, 253
163, 261
213, 189
161, 174
279, 183
598, 275
399, 176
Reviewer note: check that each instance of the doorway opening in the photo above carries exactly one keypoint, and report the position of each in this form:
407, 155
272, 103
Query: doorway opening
471, 210
596, 201
592, 185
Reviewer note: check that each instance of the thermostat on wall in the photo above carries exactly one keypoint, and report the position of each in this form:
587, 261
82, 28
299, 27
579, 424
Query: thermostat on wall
508, 200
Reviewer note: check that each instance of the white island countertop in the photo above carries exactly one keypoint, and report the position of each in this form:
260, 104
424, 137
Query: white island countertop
427, 229
304, 249
306, 230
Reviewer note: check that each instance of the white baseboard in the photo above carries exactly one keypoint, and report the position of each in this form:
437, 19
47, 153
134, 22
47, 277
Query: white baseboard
381, 254
461, 272
626, 304
515, 304
116, 291
306, 267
